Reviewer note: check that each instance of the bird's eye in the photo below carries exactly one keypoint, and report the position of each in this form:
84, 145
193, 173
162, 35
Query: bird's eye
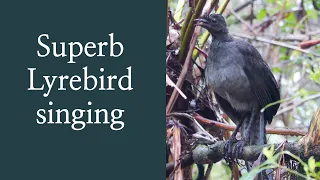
214, 20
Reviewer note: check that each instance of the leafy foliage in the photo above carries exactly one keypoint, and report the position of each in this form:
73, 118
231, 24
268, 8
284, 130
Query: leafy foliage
311, 168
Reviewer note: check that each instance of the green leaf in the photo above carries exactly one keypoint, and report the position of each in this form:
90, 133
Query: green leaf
262, 14
254, 172
303, 92
291, 18
306, 169
315, 76
318, 164
312, 14
276, 70
312, 164
269, 152
316, 3
179, 10
279, 2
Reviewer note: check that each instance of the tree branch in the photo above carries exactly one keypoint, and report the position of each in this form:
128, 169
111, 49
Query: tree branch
306, 147
277, 43
206, 154
232, 128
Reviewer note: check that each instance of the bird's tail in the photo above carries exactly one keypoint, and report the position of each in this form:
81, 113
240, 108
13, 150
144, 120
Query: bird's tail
257, 136
258, 132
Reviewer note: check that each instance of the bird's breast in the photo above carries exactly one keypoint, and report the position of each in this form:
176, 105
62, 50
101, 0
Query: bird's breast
231, 83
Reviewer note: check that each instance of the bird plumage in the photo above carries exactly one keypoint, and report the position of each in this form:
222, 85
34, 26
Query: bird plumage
241, 80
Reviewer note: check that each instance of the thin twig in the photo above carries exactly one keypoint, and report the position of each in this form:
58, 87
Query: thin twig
186, 65
242, 6
313, 33
287, 37
277, 43
232, 128
308, 44
299, 24
243, 21
208, 171
269, 20
283, 110
183, 73
202, 52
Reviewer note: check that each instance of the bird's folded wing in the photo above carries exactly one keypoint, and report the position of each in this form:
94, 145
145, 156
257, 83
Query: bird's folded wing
261, 80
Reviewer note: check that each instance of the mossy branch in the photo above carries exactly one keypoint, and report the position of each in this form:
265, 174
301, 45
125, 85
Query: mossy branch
207, 154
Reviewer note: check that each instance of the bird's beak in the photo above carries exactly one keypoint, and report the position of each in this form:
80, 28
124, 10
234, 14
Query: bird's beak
201, 22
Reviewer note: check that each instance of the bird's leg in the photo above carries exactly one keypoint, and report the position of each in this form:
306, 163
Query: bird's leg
238, 149
232, 139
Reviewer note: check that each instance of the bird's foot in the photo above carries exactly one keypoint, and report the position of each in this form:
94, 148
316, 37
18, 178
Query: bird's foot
238, 148
228, 147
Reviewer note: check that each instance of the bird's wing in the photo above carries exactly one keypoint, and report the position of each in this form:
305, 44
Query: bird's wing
227, 108
261, 79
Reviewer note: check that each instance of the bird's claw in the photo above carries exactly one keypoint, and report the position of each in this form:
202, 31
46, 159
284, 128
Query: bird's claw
228, 147
238, 148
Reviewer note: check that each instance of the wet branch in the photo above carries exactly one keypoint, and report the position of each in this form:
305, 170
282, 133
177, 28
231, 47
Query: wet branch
206, 154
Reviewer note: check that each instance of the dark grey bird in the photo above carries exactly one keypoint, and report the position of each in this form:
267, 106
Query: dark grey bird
242, 82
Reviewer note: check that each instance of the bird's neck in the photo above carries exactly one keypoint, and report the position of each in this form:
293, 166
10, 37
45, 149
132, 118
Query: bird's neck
222, 37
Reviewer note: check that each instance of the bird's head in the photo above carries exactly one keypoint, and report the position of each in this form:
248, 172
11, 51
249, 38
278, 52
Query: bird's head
214, 23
